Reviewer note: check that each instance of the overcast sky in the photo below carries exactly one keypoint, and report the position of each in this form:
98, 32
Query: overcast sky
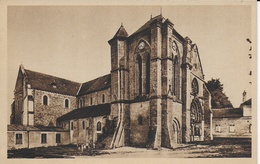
71, 42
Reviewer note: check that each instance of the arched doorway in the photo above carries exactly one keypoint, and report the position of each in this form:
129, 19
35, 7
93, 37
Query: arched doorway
196, 121
176, 131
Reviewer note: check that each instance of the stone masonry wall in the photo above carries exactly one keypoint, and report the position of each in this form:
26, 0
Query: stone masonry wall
96, 98
47, 114
139, 132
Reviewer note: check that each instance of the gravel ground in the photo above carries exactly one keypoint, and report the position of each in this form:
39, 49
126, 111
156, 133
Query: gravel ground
219, 148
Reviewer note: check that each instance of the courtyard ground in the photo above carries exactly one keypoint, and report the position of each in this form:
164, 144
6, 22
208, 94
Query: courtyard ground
218, 148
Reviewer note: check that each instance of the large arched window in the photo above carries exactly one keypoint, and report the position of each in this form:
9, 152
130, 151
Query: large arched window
99, 126
140, 74
142, 68
66, 103
147, 88
176, 70
45, 100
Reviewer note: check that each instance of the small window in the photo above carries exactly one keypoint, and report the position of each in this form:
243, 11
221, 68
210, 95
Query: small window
19, 139
103, 98
197, 131
83, 124
44, 138
250, 128
80, 103
218, 128
57, 138
91, 101
140, 120
99, 126
45, 100
232, 128
87, 123
66, 103
71, 127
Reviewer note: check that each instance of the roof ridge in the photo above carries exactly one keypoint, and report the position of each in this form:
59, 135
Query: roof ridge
52, 76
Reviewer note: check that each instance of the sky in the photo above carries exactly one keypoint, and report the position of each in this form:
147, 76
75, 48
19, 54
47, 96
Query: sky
72, 41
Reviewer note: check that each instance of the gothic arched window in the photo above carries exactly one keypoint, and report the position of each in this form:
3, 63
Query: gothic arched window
195, 112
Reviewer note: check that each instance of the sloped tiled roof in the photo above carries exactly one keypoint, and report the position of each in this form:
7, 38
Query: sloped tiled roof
16, 127
227, 113
247, 102
85, 112
97, 84
121, 32
158, 18
147, 24
51, 83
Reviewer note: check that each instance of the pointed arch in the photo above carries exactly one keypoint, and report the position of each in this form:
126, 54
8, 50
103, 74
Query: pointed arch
196, 113
142, 67
146, 48
176, 131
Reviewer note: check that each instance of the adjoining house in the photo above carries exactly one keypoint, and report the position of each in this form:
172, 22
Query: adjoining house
155, 96
21, 136
233, 122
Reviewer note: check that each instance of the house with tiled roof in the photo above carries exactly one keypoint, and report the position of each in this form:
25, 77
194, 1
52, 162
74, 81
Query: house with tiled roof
233, 122
155, 96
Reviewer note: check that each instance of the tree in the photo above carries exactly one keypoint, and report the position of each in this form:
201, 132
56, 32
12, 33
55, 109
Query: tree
218, 97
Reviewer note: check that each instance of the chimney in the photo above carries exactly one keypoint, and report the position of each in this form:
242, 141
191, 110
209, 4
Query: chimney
244, 96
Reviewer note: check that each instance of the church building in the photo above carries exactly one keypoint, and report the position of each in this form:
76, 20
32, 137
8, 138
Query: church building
155, 96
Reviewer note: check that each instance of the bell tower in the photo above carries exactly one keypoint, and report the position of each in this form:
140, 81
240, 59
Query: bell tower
119, 85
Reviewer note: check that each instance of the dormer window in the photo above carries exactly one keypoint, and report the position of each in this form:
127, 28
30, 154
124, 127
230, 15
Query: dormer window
54, 84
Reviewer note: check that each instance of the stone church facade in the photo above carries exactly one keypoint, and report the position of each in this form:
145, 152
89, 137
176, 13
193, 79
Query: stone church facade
155, 95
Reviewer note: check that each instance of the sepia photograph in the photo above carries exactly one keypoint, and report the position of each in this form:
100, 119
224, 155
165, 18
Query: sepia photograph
131, 81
